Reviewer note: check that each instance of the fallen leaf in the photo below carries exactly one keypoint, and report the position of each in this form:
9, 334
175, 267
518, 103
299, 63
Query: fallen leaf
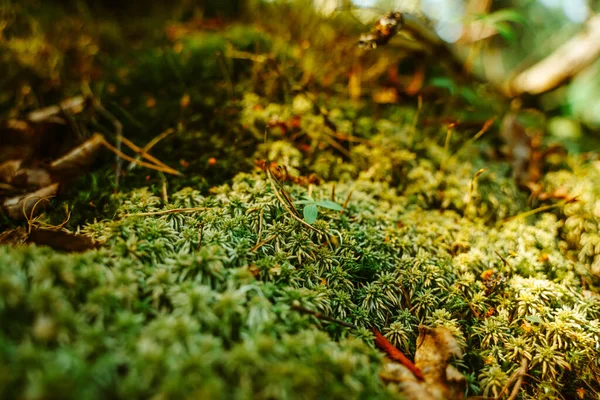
436, 347
18, 207
61, 240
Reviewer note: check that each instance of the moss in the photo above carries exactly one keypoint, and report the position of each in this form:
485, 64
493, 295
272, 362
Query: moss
200, 302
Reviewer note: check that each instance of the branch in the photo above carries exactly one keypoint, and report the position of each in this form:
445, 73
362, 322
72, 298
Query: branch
566, 61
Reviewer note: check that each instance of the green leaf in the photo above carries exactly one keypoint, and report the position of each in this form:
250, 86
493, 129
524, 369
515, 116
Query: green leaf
332, 205
305, 202
533, 318
310, 213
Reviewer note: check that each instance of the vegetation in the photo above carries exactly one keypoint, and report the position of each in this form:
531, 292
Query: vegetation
301, 189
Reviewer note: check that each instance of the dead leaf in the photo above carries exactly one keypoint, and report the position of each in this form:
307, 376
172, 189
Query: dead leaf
436, 347
78, 158
61, 240
29, 204
14, 237
48, 114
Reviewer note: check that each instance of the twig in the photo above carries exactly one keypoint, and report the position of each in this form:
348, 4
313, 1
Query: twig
486, 125
260, 223
118, 130
517, 387
396, 354
346, 202
143, 152
171, 211
565, 62
284, 204
260, 244
167, 170
165, 195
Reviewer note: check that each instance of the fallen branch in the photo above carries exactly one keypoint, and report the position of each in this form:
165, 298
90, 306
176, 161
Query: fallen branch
564, 63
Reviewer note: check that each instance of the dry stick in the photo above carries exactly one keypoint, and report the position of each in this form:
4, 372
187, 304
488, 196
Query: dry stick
171, 211
522, 371
165, 195
565, 62
143, 152
283, 203
396, 354
260, 223
260, 244
167, 170
518, 375
333, 191
346, 202
118, 132
487, 125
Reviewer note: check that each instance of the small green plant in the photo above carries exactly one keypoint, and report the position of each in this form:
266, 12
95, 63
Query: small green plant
311, 207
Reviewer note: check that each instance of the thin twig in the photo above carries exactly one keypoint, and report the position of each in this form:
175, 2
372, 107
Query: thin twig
171, 211
167, 170
260, 223
486, 125
142, 152
260, 244
396, 354
520, 373
165, 195
346, 202
284, 204
118, 130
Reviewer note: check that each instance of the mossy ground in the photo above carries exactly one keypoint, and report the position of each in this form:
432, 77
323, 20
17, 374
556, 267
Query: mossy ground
198, 303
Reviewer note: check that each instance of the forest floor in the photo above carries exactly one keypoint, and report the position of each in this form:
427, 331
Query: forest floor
243, 210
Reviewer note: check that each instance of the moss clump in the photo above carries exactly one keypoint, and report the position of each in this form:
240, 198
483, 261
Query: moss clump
200, 302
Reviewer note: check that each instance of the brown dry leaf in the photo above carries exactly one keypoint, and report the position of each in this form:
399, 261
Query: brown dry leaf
14, 237
435, 348
8, 170
18, 207
79, 157
61, 240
